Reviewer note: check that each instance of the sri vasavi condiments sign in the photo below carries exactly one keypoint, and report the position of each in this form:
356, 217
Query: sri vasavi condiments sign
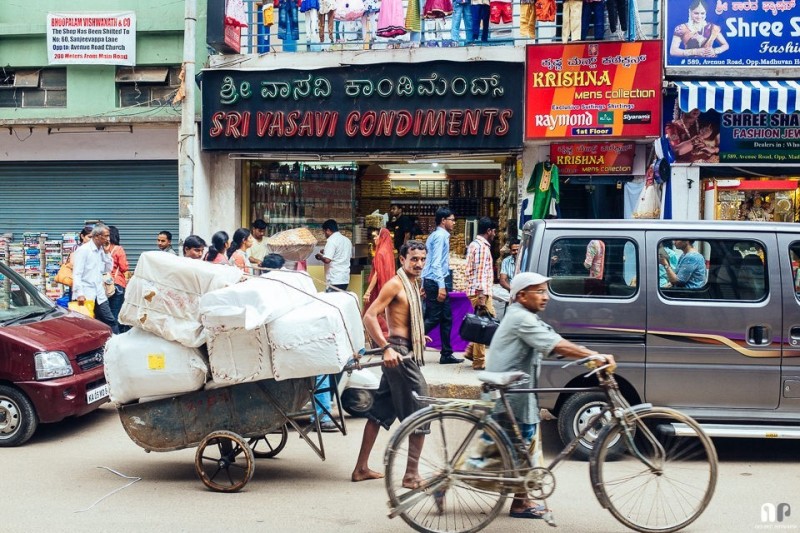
593, 90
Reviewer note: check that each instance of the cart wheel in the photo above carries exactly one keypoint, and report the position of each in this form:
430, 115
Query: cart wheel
224, 461
270, 444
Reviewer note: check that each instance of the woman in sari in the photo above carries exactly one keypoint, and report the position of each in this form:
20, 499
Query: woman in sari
696, 37
382, 271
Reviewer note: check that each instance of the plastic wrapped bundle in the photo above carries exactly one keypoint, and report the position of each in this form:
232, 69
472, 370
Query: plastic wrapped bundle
317, 338
163, 296
139, 364
238, 356
293, 244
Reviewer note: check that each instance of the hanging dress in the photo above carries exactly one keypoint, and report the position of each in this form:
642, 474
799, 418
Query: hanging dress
390, 19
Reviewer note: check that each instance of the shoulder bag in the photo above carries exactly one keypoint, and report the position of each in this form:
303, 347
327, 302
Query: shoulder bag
64, 275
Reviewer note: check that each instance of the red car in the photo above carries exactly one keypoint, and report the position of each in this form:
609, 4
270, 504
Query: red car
51, 360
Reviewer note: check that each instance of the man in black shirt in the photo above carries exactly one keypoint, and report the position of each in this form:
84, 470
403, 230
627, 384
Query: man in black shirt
400, 225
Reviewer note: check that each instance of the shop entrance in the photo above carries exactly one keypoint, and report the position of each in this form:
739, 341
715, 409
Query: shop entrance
585, 198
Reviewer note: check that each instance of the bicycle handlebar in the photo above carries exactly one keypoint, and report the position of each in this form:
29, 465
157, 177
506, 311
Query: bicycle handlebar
591, 362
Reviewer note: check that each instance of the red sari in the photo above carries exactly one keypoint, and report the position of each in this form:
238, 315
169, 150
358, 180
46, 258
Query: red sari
383, 269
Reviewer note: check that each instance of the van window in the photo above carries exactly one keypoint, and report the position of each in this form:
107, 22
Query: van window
593, 267
794, 260
713, 269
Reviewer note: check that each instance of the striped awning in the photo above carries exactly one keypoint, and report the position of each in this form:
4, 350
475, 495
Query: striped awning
737, 96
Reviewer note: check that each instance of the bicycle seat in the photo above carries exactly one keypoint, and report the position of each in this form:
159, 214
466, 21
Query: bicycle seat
502, 379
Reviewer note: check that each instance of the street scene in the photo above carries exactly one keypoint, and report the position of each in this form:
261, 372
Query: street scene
400, 265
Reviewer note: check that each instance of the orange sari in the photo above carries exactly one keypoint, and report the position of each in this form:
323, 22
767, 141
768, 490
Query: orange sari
383, 269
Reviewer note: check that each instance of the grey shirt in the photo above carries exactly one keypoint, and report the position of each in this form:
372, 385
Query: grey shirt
520, 343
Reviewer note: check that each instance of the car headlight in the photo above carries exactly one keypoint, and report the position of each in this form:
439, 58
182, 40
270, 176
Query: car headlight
51, 365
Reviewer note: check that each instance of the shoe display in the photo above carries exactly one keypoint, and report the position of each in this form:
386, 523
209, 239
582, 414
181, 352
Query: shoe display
450, 360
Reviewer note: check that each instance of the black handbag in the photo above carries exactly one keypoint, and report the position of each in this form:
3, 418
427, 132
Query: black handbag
478, 329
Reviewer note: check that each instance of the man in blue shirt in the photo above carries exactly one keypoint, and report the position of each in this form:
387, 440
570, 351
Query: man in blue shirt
435, 281
691, 270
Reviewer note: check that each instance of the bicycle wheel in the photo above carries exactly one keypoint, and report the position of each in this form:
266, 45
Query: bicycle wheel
672, 493
462, 464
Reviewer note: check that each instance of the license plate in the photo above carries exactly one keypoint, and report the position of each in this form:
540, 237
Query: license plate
97, 394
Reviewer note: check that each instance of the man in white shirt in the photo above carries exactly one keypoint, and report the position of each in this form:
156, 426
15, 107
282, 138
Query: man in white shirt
256, 253
336, 256
90, 262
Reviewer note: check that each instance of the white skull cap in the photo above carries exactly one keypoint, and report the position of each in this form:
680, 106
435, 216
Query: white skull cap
526, 279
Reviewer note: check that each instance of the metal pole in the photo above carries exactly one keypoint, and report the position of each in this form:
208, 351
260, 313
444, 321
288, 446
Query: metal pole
187, 135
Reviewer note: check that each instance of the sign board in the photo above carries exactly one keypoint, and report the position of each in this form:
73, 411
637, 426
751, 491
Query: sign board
713, 137
419, 107
593, 90
91, 38
575, 159
726, 35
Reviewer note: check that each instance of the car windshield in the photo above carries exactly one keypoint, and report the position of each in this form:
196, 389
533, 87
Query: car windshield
18, 298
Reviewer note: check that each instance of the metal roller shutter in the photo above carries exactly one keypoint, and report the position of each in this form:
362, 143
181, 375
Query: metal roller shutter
140, 198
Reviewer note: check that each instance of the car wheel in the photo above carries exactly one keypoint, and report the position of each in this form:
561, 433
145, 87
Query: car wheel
575, 414
357, 402
18, 419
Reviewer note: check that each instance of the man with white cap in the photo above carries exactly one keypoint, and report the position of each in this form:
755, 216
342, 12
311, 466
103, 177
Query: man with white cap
519, 344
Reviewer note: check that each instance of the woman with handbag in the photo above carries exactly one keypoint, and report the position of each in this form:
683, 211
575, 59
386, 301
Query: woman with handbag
118, 274
64, 275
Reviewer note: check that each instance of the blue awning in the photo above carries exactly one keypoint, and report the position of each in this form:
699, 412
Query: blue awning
755, 96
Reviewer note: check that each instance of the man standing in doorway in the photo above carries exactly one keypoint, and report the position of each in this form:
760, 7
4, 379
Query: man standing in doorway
164, 242
437, 283
480, 278
401, 303
90, 262
509, 265
400, 226
336, 256
256, 253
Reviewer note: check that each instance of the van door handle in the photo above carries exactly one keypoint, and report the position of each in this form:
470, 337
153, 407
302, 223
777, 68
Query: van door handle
758, 336
794, 335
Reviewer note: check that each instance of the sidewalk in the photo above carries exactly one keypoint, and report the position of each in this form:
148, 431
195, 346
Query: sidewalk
450, 381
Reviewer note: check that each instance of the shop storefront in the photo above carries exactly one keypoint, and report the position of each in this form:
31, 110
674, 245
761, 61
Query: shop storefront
591, 113
348, 142
738, 139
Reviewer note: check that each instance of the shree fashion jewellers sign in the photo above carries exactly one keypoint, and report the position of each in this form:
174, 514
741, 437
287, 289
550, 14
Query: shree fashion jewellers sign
91, 38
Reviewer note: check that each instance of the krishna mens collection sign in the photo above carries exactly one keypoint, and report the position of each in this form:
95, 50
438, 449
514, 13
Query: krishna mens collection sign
593, 90
433, 106
575, 159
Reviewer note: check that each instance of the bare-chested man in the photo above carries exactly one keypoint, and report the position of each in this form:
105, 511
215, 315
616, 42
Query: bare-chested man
400, 299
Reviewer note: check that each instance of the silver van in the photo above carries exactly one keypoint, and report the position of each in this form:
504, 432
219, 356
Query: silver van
701, 316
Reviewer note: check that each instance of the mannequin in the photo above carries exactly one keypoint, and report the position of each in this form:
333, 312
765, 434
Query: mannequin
310, 11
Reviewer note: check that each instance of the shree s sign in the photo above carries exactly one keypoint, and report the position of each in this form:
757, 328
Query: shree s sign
593, 90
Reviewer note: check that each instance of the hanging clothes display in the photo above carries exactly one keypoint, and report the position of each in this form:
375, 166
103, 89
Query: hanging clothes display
649, 203
617, 12
390, 19
435, 9
543, 184
413, 19
546, 10
288, 25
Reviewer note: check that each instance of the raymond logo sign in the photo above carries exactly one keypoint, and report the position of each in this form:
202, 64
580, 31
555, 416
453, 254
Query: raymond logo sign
593, 90
574, 159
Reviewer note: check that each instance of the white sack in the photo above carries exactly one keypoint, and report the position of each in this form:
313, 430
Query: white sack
139, 364
163, 296
313, 339
239, 355
254, 302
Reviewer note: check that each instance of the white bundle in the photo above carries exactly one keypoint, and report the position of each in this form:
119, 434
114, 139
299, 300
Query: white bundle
163, 296
317, 338
239, 355
254, 302
139, 364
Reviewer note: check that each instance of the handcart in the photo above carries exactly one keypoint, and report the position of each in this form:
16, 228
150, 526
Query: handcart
231, 426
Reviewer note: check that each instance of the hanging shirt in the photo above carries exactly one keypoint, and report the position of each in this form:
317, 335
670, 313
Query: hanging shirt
595, 259
543, 184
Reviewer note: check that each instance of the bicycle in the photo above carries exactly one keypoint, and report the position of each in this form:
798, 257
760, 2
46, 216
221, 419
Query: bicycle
469, 464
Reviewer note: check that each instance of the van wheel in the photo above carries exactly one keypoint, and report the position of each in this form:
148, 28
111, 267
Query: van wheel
18, 419
357, 402
575, 414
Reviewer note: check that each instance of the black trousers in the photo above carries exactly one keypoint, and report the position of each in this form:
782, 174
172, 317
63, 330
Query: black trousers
617, 10
102, 312
438, 314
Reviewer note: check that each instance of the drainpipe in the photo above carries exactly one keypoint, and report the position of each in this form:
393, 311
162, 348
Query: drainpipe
187, 135
632, 20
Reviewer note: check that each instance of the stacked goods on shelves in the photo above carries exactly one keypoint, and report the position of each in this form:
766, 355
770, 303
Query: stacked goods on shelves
4, 240
52, 262
374, 196
458, 245
34, 264
272, 327
458, 269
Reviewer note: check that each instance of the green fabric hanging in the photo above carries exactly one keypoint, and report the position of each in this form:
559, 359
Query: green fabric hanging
543, 184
